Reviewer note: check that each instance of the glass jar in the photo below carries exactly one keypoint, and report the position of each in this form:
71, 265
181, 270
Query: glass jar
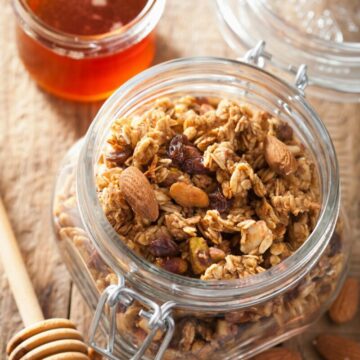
85, 68
147, 310
298, 33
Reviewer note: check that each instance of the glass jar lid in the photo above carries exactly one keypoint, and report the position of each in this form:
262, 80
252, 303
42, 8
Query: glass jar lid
323, 34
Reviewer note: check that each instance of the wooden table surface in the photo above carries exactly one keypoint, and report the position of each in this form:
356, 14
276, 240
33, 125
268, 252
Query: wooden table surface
36, 129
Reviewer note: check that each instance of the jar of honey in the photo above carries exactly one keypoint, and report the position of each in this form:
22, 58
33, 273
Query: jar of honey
83, 50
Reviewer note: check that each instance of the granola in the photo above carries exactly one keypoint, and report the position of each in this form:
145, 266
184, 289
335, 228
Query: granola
222, 173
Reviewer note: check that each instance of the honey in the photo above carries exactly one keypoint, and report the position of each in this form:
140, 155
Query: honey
86, 17
83, 50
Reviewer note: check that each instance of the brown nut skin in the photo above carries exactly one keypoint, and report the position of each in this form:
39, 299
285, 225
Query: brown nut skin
199, 255
219, 202
216, 254
163, 245
138, 193
188, 195
279, 157
278, 353
284, 132
332, 347
175, 265
346, 305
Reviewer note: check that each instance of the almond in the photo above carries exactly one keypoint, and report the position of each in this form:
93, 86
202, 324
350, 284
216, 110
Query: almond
279, 157
278, 353
345, 306
139, 194
332, 347
188, 195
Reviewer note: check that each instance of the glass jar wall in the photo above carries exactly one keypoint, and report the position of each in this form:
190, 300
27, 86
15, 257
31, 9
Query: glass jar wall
217, 319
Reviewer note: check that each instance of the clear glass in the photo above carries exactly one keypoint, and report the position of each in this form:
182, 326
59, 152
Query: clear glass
85, 68
333, 65
232, 319
330, 20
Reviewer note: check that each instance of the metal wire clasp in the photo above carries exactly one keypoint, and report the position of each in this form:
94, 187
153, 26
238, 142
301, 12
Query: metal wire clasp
159, 318
258, 56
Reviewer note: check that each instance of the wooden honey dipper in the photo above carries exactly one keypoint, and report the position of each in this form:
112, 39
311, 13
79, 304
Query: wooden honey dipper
54, 339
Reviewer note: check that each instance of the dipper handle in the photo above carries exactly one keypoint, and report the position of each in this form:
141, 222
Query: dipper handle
17, 274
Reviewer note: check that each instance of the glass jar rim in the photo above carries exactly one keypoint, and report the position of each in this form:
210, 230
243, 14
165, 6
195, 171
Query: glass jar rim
333, 66
134, 31
219, 292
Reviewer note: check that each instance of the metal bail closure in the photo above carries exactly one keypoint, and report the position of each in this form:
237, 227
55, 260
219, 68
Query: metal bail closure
159, 318
258, 56
301, 79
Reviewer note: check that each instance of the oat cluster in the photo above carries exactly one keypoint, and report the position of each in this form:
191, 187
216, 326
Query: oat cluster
232, 190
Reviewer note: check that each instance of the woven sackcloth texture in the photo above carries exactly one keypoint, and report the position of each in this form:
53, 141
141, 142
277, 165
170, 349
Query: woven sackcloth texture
36, 130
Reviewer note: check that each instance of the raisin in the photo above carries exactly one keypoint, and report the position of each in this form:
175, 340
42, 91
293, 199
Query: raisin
176, 148
96, 262
186, 156
292, 294
219, 202
194, 166
284, 132
120, 156
191, 152
162, 245
335, 244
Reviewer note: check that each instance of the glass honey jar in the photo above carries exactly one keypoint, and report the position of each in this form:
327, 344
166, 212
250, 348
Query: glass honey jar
83, 51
